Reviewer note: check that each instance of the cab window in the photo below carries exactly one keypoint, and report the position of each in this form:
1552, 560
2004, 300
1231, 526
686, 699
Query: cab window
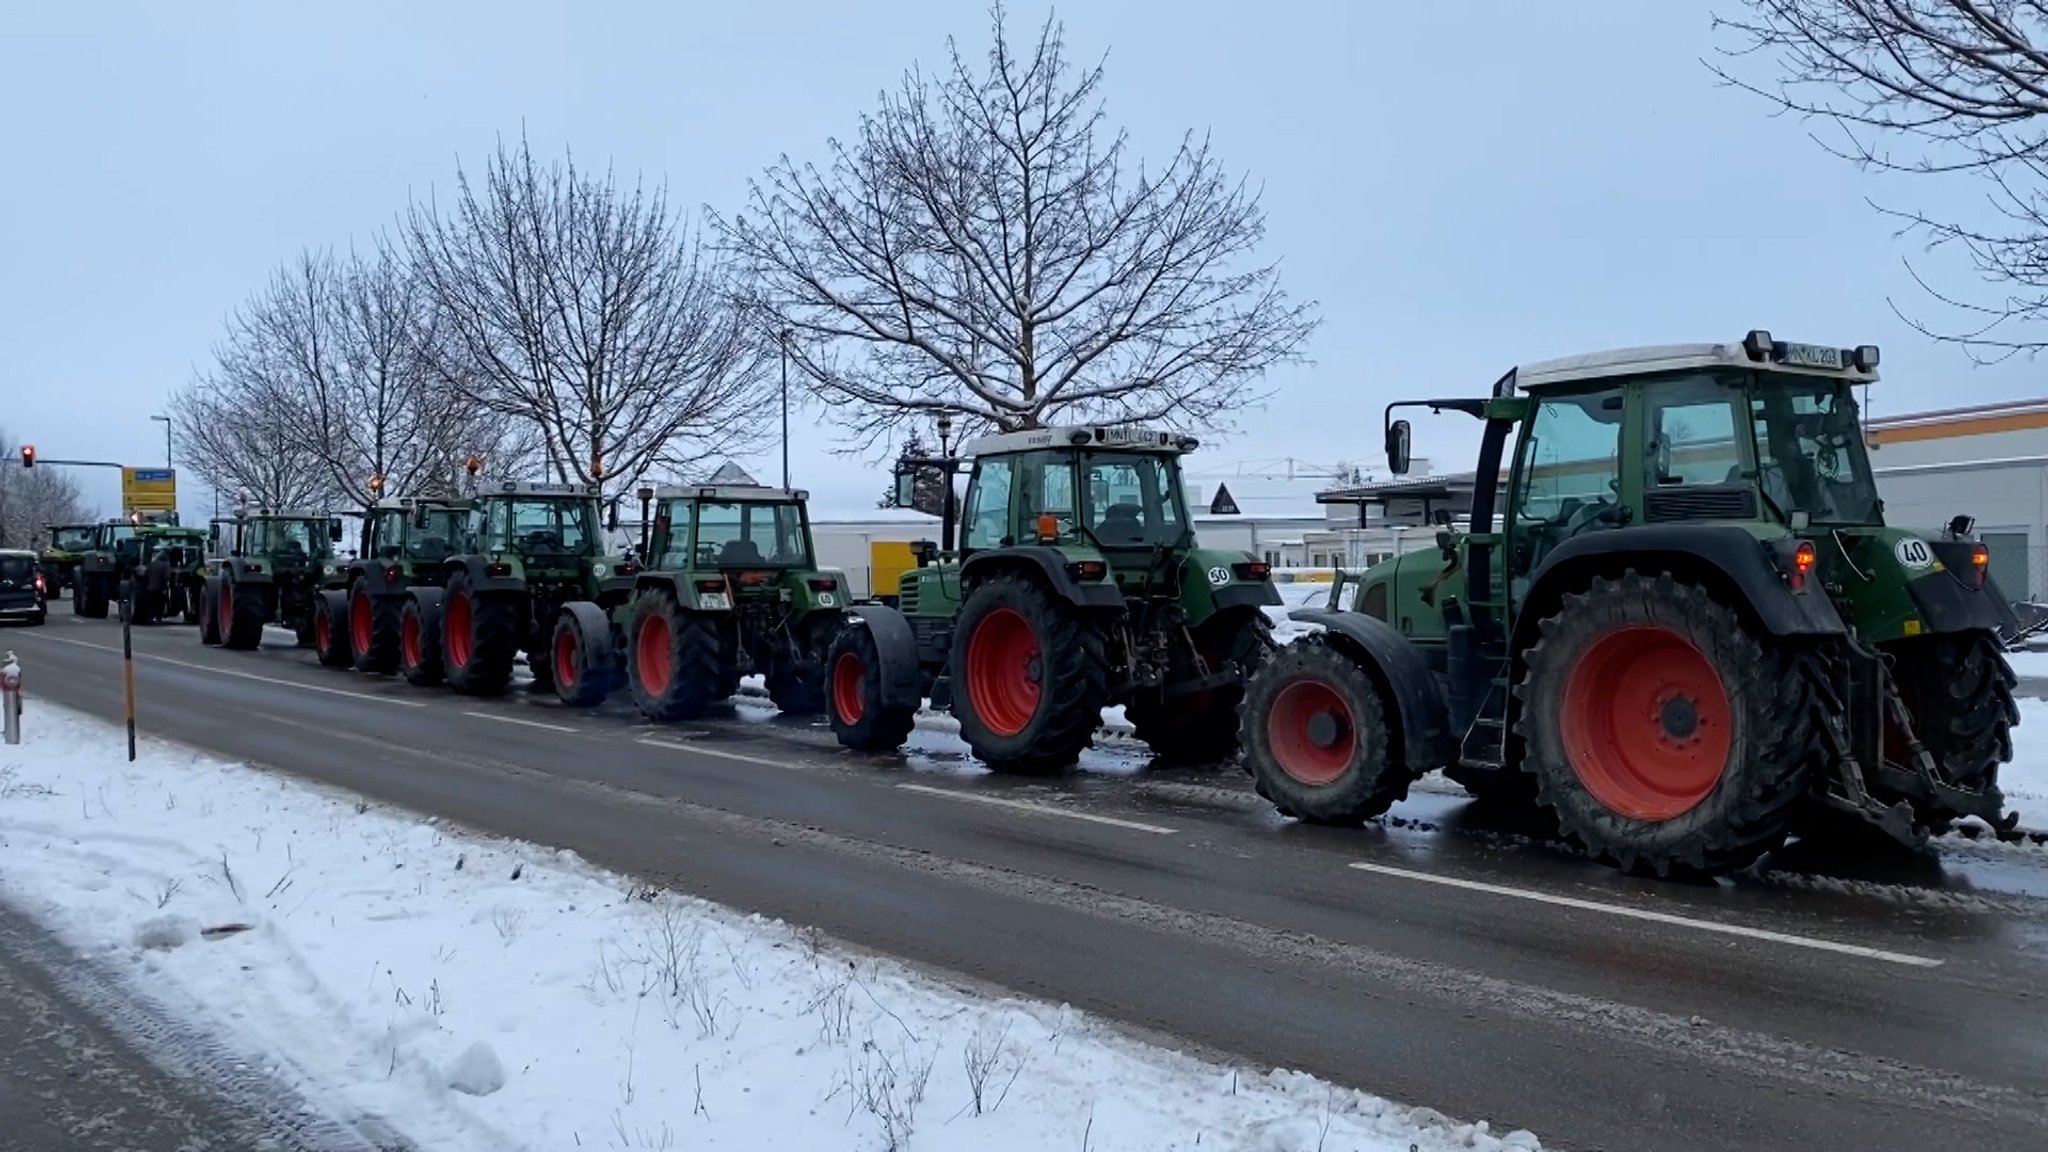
988, 505
1571, 458
1694, 428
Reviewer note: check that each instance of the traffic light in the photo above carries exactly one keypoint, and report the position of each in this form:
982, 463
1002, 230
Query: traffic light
28, 455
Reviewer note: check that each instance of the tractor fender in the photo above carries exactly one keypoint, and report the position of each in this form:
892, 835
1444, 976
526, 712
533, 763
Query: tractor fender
675, 584
1403, 677
1948, 604
895, 649
371, 574
480, 579
592, 622
1743, 563
1050, 564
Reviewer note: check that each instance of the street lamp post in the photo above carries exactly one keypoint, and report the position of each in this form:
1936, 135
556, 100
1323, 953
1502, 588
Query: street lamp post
785, 407
166, 422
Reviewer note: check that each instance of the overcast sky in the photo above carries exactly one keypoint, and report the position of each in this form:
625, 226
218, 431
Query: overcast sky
1462, 186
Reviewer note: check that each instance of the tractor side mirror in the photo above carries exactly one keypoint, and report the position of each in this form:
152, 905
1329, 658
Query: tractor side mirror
1397, 448
334, 529
906, 488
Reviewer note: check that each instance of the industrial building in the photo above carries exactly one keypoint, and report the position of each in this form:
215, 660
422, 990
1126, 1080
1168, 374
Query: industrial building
1989, 461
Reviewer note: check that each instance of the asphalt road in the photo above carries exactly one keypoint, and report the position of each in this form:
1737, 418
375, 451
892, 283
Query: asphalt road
1443, 959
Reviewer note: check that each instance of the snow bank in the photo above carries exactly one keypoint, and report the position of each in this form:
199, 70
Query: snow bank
2026, 778
488, 995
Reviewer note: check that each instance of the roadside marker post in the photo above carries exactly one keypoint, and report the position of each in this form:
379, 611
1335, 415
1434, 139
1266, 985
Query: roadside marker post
128, 663
10, 698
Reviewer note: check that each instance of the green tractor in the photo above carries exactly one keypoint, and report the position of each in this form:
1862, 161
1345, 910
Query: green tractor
61, 557
407, 542
529, 550
1077, 585
162, 571
266, 567
97, 578
732, 588
1682, 625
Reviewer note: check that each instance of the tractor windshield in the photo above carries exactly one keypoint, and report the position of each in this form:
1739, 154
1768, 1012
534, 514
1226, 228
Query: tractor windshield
71, 539
1810, 450
292, 538
1133, 499
112, 534
554, 527
439, 536
738, 534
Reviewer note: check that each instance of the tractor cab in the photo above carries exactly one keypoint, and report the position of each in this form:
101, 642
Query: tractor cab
289, 541
752, 542
548, 528
415, 530
72, 539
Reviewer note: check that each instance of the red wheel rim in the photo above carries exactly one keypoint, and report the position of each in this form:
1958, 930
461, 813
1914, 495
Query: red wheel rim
1003, 672
323, 632
359, 622
456, 626
847, 674
565, 659
1312, 732
1647, 724
409, 640
656, 663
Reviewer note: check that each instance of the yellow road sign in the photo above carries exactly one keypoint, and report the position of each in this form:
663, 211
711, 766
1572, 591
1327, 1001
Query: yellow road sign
149, 490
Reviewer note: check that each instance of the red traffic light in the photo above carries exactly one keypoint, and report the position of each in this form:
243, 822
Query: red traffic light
28, 455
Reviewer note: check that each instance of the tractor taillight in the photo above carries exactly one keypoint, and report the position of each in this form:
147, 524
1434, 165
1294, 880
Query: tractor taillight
826, 584
41, 585
1252, 572
1088, 571
1980, 565
1803, 560
392, 573
710, 585
499, 568
627, 567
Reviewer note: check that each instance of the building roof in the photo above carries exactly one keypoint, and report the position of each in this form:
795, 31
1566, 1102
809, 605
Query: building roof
1951, 423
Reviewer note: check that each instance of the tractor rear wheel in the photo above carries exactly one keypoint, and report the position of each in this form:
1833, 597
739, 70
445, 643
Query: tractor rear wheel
1317, 741
419, 643
242, 615
209, 612
1663, 734
373, 630
853, 695
479, 637
1202, 727
331, 627
584, 667
97, 595
672, 659
1031, 677
1958, 690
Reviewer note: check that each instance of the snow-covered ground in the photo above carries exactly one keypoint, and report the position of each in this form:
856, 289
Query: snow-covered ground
485, 995
2032, 663
2025, 780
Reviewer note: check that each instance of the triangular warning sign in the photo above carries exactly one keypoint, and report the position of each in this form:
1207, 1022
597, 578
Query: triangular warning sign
733, 474
1223, 505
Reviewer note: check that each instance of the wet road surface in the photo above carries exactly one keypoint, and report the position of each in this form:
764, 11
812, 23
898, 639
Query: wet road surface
1447, 957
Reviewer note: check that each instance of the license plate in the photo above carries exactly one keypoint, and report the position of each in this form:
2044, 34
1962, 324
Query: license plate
713, 600
1813, 356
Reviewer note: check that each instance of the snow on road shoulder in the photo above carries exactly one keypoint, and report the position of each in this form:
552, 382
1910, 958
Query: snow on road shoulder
2026, 777
483, 994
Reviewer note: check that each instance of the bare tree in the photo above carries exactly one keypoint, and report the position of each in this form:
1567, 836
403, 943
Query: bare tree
241, 422
1953, 88
988, 245
32, 499
591, 312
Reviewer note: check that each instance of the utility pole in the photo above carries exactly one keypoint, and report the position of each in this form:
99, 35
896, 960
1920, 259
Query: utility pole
166, 422
785, 407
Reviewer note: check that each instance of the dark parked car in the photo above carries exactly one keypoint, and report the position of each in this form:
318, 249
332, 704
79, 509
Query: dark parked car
22, 595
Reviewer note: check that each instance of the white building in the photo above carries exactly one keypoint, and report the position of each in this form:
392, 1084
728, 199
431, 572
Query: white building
1989, 461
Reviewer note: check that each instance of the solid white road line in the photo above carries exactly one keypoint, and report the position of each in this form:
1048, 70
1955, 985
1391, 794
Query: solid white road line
502, 719
392, 700
1040, 809
1658, 917
717, 753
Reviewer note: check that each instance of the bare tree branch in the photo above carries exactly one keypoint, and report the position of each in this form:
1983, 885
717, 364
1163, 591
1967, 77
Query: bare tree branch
987, 245
32, 499
592, 314
1960, 88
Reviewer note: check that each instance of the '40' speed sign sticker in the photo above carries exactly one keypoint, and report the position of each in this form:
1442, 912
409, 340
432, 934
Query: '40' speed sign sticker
1913, 552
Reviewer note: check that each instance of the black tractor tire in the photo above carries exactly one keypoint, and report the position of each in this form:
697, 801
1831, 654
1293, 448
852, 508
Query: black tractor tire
1665, 736
1958, 689
98, 595
1317, 737
373, 629
1030, 677
479, 637
673, 658
77, 594
209, 611
242, 615
1202, 727
795, 690
188, 607
853, 695
419, 643
584, 668
330, 629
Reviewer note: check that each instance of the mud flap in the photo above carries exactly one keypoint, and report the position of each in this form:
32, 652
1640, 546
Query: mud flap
896, 651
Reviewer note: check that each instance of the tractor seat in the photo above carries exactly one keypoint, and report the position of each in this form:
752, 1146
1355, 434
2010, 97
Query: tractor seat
738, 553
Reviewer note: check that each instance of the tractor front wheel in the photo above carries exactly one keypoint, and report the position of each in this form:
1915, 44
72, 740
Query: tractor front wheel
1031, 677
1316, 737
209, 612
331, 626
419, 643
479, 637
373, 630
1664, 735
672, 661
583, 666
853, 695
